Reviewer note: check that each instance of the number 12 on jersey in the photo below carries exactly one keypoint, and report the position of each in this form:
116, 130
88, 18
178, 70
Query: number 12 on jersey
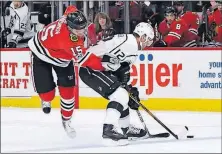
118, 53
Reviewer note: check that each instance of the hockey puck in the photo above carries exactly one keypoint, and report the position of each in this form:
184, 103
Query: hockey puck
190, 136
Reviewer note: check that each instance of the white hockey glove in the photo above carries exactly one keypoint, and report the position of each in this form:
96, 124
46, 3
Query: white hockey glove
110, 63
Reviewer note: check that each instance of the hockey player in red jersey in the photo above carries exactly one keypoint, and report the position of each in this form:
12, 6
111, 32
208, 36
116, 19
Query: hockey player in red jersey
178, 34
191, 18
91, 32
58, 46
215, 24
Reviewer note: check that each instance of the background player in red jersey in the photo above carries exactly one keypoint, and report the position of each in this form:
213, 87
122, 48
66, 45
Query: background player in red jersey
191, 18
56, 47
215, 24
175, 32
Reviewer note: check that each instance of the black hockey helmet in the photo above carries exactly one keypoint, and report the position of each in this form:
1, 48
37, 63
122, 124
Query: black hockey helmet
178, 3
76, 20
170, 9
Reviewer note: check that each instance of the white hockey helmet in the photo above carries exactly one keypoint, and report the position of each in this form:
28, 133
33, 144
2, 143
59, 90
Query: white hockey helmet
146, 33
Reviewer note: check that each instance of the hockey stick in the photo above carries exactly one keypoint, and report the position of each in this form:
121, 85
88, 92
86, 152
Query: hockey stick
161, 135
179, 136
4, 24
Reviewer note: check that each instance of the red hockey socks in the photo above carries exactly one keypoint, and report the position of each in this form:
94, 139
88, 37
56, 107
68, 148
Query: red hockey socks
67, 101
47, 97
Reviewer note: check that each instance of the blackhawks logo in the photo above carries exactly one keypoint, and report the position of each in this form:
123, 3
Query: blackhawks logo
73, 37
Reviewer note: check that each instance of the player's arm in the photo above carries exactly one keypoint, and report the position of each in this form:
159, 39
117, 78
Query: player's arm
175, 33
163, 29
196, 23
93, 62
86, 58
100, 54
20, 24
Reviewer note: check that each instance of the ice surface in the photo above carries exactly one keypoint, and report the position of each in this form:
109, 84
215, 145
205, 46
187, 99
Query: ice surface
30, 130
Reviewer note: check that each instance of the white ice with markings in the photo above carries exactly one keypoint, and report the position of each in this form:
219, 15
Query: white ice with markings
31, 131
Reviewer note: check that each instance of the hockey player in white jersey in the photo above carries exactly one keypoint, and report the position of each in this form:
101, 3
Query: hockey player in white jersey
118, 52
19, 25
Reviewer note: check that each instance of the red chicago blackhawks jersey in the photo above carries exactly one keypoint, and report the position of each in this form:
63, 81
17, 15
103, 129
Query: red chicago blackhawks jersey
193, 21
56, 45
217, 18
179, 35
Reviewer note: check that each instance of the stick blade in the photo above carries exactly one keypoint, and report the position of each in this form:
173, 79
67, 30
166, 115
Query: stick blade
183, 133
160, 135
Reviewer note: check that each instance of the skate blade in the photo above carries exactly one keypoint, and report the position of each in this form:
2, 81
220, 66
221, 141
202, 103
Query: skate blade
110, 142
138, 138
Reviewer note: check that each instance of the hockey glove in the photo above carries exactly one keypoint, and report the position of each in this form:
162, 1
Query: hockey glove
123, 73
11, 45
110, 63
6, 32
135, 94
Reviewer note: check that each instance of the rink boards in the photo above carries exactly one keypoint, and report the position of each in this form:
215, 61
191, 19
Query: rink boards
185, 79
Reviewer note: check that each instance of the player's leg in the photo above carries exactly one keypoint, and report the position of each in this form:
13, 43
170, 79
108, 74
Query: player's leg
132, 132
108, 86
66, 83
43, 82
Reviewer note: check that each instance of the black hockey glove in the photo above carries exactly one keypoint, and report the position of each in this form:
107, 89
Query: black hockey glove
108, 34
11, 45
135, 94
6, 32
123, 73
110, 63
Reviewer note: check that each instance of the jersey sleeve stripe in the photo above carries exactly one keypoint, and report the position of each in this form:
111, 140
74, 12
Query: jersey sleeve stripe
37, 50
175, 35
84, 58
191, 44
192, 30
46, 52
41, 50
119, 44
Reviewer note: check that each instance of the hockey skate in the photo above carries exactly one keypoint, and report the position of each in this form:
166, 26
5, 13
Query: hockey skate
68, 128
134, 133
46, 107
112, 136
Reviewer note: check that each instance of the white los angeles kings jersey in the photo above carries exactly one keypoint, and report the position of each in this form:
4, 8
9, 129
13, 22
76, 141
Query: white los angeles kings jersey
122, 46
19, 23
